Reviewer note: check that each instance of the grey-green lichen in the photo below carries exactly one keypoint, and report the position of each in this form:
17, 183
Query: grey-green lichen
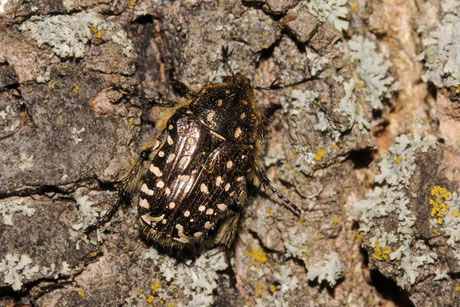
16, 269
373, 70
392, 198
330, 269
196, 279
9, 207
335, 12
442, 48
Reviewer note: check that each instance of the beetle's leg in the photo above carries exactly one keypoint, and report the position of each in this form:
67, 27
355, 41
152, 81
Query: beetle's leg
122, 193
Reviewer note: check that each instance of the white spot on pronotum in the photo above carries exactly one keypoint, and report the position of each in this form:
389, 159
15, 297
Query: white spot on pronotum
243, 115
237, 132
201, 208
172, 205
198, 234
144, 203
209, 211
180, 231
186, 213
164, 221
167, 191
161, 154
170, 157
227, 187
170, 140
146, 190
218, 180
160, 184
222, 207
155, 170
229, 164
219, 102
208, 225
170, 127
204, 188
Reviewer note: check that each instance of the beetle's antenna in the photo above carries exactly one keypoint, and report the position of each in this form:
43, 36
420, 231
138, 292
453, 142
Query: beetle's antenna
288, 204
161, 102
276, 85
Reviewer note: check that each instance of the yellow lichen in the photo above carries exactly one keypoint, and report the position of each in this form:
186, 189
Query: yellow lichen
399, 159
259, 288
150, 299
76, 89
52, 85
440, 208
258, 255
273, 288
81, 293
155, 286
320, 154
380, 253
270, 212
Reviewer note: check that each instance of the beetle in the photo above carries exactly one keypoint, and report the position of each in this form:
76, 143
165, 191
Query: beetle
191, 182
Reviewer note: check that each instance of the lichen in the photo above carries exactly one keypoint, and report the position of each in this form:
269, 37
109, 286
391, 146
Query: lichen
8, 207
16, 269
196, 279
67, 35
373, 70
392, 199
334, 11
329, 270
442, 48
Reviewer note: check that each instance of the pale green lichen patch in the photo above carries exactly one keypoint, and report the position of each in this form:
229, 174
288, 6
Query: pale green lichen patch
16, 269
442, 48
329, 270
373, 70
9, 207
195, 279
335, 12
391, 200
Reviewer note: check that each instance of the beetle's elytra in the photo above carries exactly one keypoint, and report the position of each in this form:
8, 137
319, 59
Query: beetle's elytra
190, 183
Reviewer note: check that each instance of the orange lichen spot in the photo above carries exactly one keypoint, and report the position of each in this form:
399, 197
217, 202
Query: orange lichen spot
258, 255
335, 146
96, 32
320, 154
320, 235
360, 84
125, 247
81, 293
380, 253
440, 208
287, 166
398, 159
132, 3
270, 212
456, 213
132, 161
358, 110
155, 286
76, 89
457, 288
52, 85
150, 299
272, 288
336, 220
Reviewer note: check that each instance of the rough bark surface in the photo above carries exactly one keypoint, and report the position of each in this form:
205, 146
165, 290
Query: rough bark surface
368, 148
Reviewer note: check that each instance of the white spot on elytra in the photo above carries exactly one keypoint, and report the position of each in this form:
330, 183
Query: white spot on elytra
222, 207
208, 225
170, 140
149, 219
243, 115
160, 184
170, 127
201, 208
172, 205
240, 178
167, 191
204, 188
144, 203
170, 157
155, 170
186, 213
219, 102
218, 180
209, 211
227, 187
183, 177
198, 234
210, 116
161, 154
237, 132
146, 190
229, 164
